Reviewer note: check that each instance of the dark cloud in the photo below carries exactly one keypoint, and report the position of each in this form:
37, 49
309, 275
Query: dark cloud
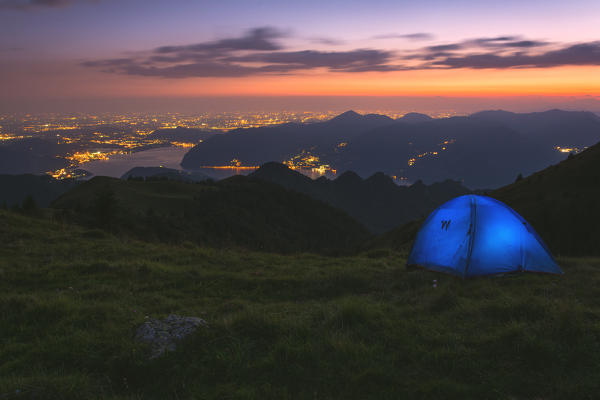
327, 41
445, 47
256, 52
504, 42
255, 39
494, 40
578, 54
260, 51
113, 62
335, 60
409, 36
499, 44
26, 5
237, 66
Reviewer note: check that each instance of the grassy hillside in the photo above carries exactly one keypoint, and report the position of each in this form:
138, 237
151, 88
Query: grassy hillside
561, 202
282, 327
238, 211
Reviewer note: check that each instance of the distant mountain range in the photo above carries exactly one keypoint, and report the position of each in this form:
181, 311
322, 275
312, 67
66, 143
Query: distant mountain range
557, 127
256, 146
377, 202
278, 209
485, 150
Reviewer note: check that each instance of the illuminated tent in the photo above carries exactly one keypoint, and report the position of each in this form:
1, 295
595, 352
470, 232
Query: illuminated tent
477, 235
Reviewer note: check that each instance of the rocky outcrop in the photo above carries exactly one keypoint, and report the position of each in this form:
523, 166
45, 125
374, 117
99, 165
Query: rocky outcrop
162, 335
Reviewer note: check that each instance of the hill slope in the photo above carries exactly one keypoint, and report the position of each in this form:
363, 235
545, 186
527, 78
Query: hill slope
281, 327
256, 146
551, 128
561, 202
43, 188
377, 202
32, 156
481, 154
238, 211
485, 150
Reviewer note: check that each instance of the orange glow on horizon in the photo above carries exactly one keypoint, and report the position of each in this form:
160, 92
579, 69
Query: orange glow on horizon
82, 83
564, 81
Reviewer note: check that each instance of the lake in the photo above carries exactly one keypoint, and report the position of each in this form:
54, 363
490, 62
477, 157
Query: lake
168, 157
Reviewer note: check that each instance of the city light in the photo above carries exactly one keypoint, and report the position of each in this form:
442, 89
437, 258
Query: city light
98, 137
574, 150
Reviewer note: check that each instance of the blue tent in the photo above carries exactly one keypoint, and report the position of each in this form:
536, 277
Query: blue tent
477, 235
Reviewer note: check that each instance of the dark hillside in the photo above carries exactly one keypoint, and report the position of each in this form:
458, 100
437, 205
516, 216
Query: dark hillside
377, 202
550, 128
42, 188
238, 212
32, 156
562, 203
479, 153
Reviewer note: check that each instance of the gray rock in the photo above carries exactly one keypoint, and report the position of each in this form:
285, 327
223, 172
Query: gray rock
162, 335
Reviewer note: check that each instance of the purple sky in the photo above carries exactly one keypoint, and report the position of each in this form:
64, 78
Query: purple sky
69, 51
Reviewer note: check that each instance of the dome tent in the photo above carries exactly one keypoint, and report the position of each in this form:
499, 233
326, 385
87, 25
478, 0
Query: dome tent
476, 235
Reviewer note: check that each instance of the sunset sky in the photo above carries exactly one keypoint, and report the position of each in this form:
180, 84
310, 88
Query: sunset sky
119, 51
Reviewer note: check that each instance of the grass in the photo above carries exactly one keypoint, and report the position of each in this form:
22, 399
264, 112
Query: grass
234, 212
282, 326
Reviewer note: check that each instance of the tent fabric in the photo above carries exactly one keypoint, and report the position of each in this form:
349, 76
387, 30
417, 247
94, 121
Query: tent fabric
476, 235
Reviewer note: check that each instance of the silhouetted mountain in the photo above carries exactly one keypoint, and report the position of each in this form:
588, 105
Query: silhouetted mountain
376, 202
238, 211
43, 188
550, 128
255, 146
31, 156
486, 150
479, 153
348, 179
352, 117
415, 118
164, 173
561, 203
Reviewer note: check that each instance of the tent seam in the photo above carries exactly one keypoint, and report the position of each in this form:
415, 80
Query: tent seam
472, 238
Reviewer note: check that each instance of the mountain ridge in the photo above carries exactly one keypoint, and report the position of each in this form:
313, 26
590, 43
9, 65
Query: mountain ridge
377, 202
473, 149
